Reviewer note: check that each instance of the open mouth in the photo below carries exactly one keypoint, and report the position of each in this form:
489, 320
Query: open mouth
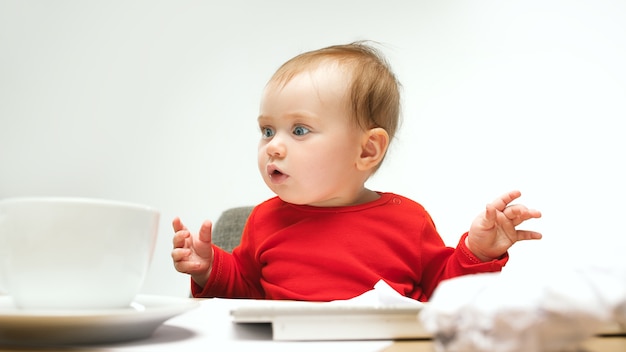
276, 175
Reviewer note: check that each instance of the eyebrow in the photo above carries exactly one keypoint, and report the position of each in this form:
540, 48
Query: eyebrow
296, 115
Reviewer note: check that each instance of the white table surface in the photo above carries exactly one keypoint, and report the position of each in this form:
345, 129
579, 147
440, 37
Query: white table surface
210, 328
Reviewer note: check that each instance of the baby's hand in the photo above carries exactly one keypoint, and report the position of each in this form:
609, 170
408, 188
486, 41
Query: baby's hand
193, 254
493, 232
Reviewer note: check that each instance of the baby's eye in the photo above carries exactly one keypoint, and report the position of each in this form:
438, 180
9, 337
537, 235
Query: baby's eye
267, 132
300, 130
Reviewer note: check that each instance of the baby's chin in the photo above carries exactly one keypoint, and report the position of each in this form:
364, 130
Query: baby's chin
330, 203
291, 200
295, 199
301, 198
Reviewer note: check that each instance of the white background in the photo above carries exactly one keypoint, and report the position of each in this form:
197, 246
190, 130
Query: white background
155, 102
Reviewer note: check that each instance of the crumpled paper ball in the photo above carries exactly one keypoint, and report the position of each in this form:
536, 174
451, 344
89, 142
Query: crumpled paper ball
539, 309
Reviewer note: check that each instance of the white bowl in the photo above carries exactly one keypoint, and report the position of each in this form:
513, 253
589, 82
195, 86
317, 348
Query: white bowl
75, 253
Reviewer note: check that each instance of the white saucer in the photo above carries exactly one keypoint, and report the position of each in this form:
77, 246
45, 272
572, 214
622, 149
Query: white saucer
42, 327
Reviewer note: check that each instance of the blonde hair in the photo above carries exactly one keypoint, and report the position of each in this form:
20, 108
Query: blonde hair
374, 90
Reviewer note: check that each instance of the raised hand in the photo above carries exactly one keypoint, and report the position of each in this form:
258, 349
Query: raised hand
193, 254
493, 232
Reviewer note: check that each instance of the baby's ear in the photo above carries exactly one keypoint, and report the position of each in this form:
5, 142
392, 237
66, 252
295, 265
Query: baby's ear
374, 145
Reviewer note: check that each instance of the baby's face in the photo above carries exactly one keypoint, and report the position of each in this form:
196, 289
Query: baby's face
309, 144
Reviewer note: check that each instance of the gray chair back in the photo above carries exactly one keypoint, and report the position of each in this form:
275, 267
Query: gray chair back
227, 229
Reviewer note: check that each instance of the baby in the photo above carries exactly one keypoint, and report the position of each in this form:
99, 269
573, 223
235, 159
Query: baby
326, 120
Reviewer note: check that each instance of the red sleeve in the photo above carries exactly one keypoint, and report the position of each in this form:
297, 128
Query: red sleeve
442, 263
468, 263
233, 275
216, 270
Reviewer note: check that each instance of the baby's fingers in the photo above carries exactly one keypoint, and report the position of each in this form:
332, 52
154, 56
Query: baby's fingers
528, 235
177, 224
183, 264
180, 254
205, 231
180, 238
519, 213
490, 218
501, 202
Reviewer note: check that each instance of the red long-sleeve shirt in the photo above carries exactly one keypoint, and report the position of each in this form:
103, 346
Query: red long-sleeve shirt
310, 253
